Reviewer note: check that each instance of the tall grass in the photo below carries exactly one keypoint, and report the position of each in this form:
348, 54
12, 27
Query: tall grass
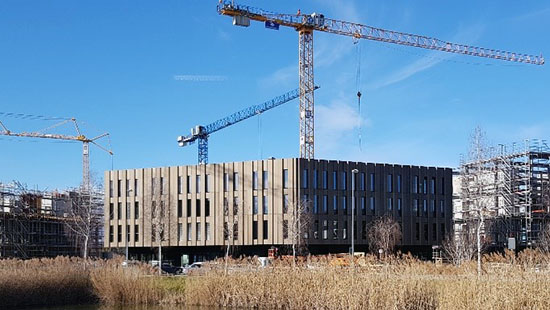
508, 282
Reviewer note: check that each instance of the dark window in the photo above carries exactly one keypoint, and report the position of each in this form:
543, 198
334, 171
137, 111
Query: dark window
425, 185
315, 204
136, 233
285, 229
188, 184
417, 231
432, 186
325, 204
119, 187
235, 181
128, 209
207, 207
235, 231
372, 205
425, 232
198, 184
363, 206
390, 204
399, 211
344, 180
255, 205
345, 205
119, 233
136, 210
111, 232
442, 208
127, 188
255, 230
265, 230
254, 180
443, 232
207, 184
235, 205
188, 207
128, 233
334, 180
180, 208
285, 178
424, 208
265, 179
364, 230
119, 210
389, 182
111, 211
265, 205
111, 188
136, 187
415, 184
225, 182
198, 207
371, 182
335, 204
362, 181
316, 229
416, 208
434, 232
399, 183
325, 179
285, 204
432, 208
305, 180
179, 185
161, 185
315, 178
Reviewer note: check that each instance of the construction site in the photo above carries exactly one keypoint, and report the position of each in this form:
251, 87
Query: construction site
508, 191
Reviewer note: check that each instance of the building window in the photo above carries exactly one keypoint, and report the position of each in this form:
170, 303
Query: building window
188, 207
153, 209
225, 206
265, 179
443, 232
325, 229
180, 186
153, 180
235, 181
198, 184
162, 209
111, 188
415, 184
161, 185
416, 210
128, 209
225, 182
389, 182
424, 207
207, 228
425, 185
432, 186
325, 204
136, 210
198, 207
345, 231
255, 205
335, 204
180, 232
111, 232
344, 180
315, 178
371, 182
235, 231
390, 204
285, 204
136, 187
345, 205
335, 230
325, 179
442, 208
198, 231
285, 178
316, 229
111, 211
235, 205
254, 180
119, 210
207, 183
136, 233
335, 180
189, 232
417, 231
425, 232
207, 207
180, 208
362, 181
285, 229
399, 210
188, 184
119, 233
265, 230
363, 206
119, 187
305, 180
399, 183
265, 205
434, 232
364, 230
432, 208
127, 188
372, 205
254, 230
315, 204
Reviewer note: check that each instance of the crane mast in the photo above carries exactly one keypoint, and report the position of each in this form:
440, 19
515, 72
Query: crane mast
201, 133
86, 186
307, 24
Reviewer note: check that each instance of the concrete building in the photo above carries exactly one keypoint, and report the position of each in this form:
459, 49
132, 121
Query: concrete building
194, 205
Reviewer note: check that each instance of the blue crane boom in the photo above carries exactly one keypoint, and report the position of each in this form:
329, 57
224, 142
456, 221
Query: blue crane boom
201, 133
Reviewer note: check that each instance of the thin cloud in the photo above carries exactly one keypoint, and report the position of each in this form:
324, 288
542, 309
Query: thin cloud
433, 58
285, 77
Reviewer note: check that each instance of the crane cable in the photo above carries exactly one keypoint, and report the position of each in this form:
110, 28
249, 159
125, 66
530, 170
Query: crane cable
357, 44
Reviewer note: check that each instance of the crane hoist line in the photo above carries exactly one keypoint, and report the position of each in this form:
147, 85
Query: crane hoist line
306, 24
201, 133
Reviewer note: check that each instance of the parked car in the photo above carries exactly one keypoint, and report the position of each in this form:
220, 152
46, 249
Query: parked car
168, 268
189, 268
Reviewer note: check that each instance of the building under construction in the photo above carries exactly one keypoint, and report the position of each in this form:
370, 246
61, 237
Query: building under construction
509, 191
38, 224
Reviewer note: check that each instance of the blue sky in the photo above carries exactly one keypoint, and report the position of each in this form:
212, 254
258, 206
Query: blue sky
111, 65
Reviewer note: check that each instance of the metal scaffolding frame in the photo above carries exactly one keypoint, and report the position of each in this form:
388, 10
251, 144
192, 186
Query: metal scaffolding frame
513, 185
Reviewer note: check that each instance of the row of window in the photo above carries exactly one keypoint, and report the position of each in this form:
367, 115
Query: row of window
359, 184
318, 207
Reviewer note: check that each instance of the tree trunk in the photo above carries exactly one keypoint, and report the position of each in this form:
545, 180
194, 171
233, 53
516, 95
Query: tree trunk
85, 254
160, 257
478, 236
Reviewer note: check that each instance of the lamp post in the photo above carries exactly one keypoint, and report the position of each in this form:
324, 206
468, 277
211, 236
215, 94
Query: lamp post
353, 174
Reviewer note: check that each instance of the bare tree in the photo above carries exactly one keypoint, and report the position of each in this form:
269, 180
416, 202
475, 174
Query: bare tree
85, 216
298, 226
230, 231
460, 248
158, 215
383, 234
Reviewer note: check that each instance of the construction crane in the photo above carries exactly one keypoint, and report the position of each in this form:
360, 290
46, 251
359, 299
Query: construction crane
306, 24
78, 137
201, 133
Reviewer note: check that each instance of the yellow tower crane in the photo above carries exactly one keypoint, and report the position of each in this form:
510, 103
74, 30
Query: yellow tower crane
305, 24
86, 186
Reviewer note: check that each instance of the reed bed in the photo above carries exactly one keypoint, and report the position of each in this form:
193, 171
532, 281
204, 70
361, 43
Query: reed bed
508, 282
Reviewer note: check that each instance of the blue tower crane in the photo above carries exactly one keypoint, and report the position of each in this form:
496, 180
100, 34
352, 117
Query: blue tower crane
201, 133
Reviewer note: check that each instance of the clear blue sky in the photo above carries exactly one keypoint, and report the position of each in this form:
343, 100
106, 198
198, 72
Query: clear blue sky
111, 64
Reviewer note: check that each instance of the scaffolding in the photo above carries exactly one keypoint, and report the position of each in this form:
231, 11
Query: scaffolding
511, 186
36, 223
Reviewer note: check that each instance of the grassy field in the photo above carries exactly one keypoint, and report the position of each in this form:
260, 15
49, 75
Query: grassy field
508, 282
